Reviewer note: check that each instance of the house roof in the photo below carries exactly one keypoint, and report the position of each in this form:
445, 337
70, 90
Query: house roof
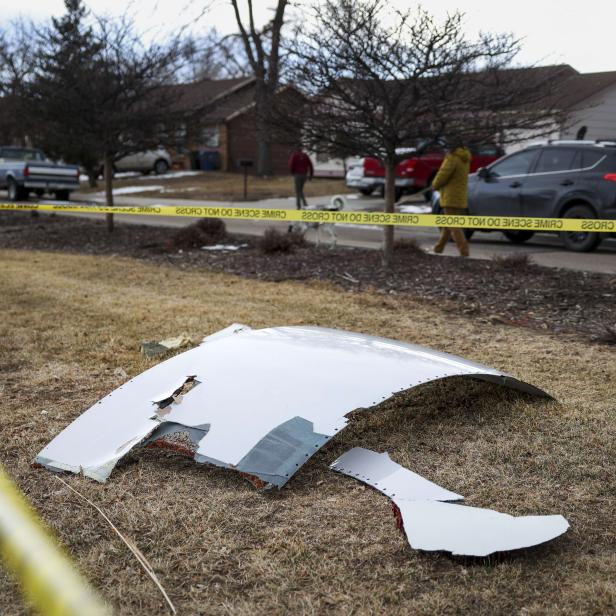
197, 95
582, 86
223, 99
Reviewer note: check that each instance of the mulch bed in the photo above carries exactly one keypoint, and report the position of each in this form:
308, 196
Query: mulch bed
513, 291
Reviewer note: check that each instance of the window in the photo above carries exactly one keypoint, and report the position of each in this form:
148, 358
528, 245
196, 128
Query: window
485, 149
210, 136
181, 132
22, 154
555, 159
516, 164
591, 157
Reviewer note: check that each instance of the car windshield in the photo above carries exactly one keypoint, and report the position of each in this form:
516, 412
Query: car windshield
22, 154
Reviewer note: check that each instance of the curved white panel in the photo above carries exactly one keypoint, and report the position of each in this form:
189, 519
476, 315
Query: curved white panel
256, 388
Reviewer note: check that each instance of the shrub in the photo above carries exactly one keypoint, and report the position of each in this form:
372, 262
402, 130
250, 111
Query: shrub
409, 246
274, 241
204, 232
518, 262
609, 335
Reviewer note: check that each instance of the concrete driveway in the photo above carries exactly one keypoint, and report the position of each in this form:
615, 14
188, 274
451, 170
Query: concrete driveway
545, 249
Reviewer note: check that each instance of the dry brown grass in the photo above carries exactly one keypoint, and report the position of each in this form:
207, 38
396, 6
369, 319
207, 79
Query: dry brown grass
226, 186
324, 544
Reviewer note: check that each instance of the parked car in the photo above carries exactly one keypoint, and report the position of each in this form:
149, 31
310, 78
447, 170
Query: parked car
415, 172
157, 161
26, 170
359, 177
556, 179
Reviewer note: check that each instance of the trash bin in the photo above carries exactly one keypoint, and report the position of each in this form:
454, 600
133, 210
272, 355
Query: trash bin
194, 160
209, 160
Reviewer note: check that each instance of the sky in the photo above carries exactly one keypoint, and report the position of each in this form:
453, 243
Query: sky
577, 33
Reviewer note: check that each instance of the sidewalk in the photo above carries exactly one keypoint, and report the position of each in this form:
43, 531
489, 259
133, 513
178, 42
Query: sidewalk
545, 249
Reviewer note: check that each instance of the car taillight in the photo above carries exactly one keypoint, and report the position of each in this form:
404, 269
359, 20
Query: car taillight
26, 172
610, 177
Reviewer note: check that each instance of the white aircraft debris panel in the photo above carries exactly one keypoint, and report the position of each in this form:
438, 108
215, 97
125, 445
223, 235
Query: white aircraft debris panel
470, 531
259, 401
385, 475
432, 525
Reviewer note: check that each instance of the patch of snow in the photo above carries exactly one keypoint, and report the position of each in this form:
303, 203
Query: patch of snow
179, 190
127, 190
415, 209
171, 175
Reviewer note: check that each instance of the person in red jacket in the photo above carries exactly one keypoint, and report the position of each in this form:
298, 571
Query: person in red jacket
300, 167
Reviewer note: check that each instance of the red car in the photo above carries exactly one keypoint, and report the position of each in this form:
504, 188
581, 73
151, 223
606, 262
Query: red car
414, 173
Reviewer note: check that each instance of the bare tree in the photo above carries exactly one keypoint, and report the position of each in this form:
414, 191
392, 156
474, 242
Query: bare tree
382, 80
99, 90
215, 56
17, 59
262, 49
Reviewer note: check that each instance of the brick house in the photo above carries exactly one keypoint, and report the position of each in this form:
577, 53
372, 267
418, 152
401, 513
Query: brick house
214, 126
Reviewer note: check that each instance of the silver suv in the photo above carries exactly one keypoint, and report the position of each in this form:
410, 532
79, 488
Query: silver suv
157, 161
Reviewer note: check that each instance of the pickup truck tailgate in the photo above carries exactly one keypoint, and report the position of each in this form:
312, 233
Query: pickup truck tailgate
50, 177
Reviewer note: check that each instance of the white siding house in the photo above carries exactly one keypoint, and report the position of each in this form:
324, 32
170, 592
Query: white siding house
596, 111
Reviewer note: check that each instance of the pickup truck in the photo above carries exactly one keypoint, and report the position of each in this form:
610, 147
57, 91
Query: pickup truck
26, 170
415, 172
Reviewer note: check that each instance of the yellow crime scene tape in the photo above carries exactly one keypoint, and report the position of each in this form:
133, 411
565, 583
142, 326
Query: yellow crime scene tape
48, 579
469, 221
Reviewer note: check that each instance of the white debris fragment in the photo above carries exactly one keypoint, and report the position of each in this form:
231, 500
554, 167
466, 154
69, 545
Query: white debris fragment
431, 525
470, 531
393, 480
228, 247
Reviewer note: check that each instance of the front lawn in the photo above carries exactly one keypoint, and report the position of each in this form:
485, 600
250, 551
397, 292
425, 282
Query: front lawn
325, 543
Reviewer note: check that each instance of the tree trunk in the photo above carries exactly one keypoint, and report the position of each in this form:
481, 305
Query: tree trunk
264, 129
92, 178
108, 172
390, 200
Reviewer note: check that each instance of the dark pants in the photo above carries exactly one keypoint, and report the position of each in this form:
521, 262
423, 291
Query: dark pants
300, 199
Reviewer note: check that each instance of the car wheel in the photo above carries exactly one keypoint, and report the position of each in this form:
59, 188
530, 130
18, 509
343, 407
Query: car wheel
518, 237
468, 233
161, 166
366, 191
39, 192
14, 190
62, 195
580, 241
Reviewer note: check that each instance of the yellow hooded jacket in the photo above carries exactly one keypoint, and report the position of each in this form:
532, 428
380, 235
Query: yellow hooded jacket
452, 179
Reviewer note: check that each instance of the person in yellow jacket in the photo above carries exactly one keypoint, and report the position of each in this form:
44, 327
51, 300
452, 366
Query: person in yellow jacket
452, 183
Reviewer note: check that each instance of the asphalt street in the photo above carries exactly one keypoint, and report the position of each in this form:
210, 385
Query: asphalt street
545, 249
